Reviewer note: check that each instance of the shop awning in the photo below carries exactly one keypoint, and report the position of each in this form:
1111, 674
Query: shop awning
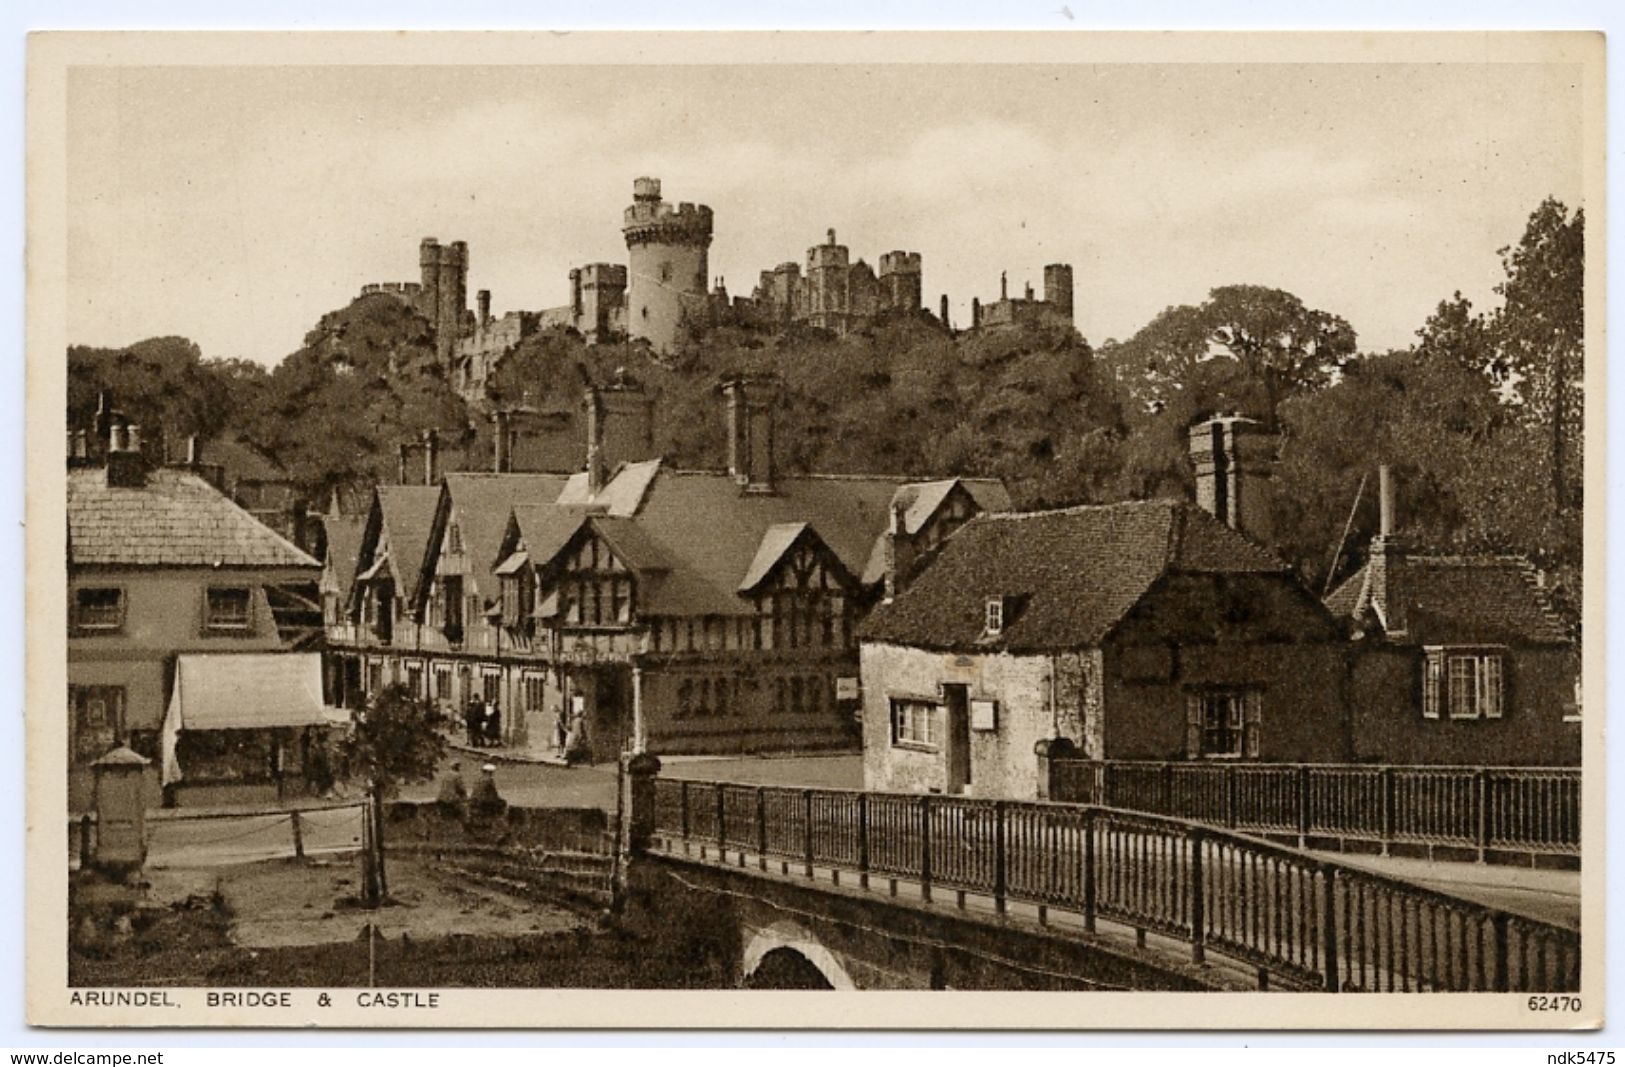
241, 691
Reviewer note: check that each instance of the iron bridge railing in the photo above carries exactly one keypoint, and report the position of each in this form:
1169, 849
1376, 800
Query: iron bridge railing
1307, 921
1524, 810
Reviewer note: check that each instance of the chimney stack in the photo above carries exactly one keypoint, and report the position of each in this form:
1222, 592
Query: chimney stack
431, 457
194, 450
1386, 568
1234, 458
945, 324
620, 428
899, 551
750, 431
483, 300
126, 464
400, 463
502, 442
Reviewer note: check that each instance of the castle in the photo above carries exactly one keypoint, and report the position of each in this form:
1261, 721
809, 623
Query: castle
661, 295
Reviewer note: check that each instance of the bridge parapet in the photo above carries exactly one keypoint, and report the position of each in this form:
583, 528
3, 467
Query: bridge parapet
1297, 918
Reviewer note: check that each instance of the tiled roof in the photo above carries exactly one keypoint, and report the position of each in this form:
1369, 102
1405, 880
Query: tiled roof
407, 512
176, 520
483, 502
1070, 575
920, 500
710, 531
775, 543
1462, 600
343, 550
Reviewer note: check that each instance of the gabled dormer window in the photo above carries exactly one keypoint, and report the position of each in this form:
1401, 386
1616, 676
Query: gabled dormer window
994, 616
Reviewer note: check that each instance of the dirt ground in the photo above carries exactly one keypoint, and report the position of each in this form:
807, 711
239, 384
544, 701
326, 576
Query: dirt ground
282, 903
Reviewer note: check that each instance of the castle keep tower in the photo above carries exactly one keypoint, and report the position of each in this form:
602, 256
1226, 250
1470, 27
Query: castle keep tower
443, 296
1058, 289
668, 265
900, 281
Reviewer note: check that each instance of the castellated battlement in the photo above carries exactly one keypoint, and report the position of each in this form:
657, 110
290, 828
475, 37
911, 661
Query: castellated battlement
654, 222
899, 263
405, 289
603, 275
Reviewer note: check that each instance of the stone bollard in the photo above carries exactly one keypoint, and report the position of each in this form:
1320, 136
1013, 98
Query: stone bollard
638, 804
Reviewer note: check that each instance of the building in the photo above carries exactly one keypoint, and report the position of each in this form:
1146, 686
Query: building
172, 587
1055, 308
362, 649
835, 293
1456, 659
691, 611
667, 273
1145, 630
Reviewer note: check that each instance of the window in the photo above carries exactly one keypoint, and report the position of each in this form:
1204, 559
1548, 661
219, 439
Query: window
534, 689
99, 610
995, 616
1223, 723
414, 678
1463, 683
98, 720
442, 684
228, 609
454, 539
913, 723
492, 685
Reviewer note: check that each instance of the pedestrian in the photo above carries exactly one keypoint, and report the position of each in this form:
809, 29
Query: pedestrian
493, 724
561, 732
474, 721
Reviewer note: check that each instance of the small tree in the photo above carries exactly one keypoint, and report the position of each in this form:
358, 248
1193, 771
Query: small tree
396, 740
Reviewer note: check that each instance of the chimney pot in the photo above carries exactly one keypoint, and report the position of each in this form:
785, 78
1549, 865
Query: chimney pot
194, 450
1385, 498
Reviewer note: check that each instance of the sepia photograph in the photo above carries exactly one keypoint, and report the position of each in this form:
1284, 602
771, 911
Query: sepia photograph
576, 530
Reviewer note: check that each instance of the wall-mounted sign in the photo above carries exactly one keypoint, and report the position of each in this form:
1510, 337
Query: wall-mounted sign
847, 689
984, 715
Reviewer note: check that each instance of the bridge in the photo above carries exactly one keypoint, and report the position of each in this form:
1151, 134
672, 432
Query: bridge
851, 889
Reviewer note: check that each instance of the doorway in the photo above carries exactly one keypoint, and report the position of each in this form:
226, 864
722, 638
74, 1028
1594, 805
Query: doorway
956, 705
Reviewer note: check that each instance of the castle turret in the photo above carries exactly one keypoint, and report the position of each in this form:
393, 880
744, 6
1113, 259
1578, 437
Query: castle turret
1058, 289
900, 281
667, 262
828, 299
600, 298
452, 304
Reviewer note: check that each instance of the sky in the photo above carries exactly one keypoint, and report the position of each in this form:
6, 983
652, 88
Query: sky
236, 205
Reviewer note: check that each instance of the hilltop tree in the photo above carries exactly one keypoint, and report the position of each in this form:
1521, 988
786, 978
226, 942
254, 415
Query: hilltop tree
1539, 334
163, 384
1277, 348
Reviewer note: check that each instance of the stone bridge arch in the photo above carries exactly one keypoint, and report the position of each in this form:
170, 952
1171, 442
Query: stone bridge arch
786, 936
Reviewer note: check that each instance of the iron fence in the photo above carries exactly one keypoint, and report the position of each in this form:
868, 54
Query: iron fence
1486, 809
1306, 921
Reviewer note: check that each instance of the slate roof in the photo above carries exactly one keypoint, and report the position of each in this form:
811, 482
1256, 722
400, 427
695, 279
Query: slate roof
407, 512
1070, 575
775, 543
483, 501
176, 520
1462, 600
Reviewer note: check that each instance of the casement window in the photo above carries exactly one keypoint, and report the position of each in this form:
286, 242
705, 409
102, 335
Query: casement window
994, 616
98, 720
913, 723
1223, 723
534, 689
228, 609
1463, 683
492, 686
375, 676
442, 684
98, 611
414, 679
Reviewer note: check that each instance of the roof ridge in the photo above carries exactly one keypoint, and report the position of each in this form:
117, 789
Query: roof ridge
1077, 509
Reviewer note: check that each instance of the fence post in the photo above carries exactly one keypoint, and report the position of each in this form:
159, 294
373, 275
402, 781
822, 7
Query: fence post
1387, 809
1304, 789
1000, 877
1231, 786
682, 817
1168, 789
925, 846
761, 828
84, 842
298, 835
722, 822
1328, 925
1198, 901
1481, 801
1089, 870
1499, 981
863, 840
807, 828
